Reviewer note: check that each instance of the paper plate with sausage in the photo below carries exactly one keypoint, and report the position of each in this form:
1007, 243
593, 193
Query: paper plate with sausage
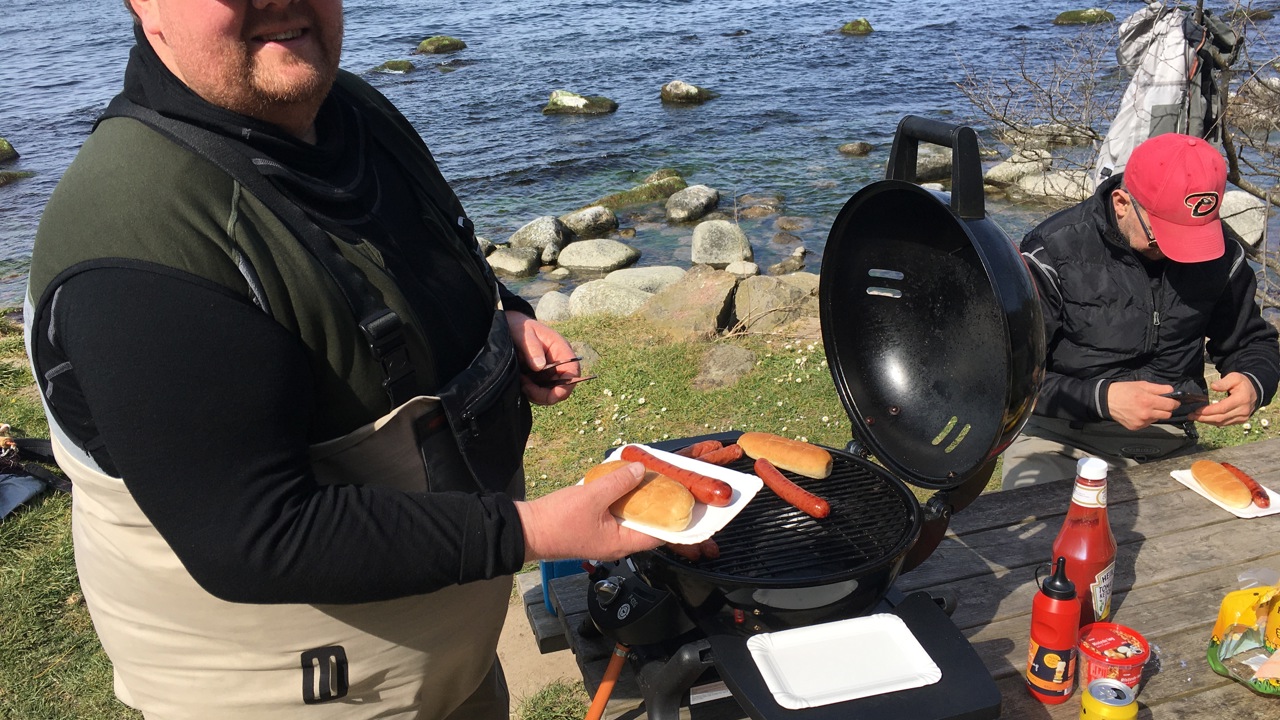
681, 500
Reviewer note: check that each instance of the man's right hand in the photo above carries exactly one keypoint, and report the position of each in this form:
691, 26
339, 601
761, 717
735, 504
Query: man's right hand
1138, 403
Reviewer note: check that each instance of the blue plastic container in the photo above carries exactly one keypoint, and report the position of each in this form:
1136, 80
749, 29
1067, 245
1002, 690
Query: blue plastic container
552, 569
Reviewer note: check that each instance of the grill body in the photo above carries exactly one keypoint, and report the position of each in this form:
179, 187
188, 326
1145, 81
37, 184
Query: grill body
780, 568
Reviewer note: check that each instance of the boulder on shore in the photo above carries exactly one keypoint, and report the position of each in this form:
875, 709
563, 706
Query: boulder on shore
659, 189
514, 262
590, 222
601, 297
691, 203
563, 102
7, 152
718, 243
546, 234
598, 255
697, 307
438, 44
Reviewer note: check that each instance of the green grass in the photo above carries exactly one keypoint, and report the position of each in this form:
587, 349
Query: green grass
52, 667
560, 700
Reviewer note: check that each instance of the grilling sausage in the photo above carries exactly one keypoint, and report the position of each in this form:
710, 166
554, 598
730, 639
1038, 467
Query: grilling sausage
699, 448
710, 491
791, 492
1260, 497
705, 550
723, 456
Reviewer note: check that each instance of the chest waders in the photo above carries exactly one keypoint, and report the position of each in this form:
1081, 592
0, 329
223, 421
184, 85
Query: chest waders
179, 652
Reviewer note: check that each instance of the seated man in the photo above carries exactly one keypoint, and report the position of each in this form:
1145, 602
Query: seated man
1136, 283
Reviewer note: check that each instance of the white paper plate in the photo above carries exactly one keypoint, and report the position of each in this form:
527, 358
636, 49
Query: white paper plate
1185, 477
706, 520
844, 660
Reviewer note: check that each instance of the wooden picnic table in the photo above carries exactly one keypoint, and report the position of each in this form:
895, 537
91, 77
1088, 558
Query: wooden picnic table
1178, 556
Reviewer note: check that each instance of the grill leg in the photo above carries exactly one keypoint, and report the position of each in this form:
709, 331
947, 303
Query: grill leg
664, 684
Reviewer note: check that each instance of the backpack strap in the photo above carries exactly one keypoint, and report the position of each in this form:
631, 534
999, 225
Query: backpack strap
382, 328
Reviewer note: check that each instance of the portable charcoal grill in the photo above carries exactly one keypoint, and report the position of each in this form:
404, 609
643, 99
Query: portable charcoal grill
933, 333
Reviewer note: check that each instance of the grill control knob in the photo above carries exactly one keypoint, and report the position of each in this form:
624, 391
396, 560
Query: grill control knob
607, 590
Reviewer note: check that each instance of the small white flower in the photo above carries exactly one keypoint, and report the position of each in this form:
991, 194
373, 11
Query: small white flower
617, 442
599, 429
826, 419
608, 392
779, 403
640, 401
1264, 422
1247, 427
542, 477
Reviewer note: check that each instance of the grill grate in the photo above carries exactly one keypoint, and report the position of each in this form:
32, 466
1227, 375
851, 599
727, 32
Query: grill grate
772, 540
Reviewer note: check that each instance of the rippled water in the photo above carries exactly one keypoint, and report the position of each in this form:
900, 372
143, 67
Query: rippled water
792, 89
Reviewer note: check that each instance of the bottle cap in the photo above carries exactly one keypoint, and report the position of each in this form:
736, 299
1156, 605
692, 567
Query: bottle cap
1058, 586
1092, 468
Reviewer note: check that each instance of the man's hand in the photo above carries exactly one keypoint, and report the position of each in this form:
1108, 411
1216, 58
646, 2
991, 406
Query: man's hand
539, 346
1235, 408
575, 522
1137, 404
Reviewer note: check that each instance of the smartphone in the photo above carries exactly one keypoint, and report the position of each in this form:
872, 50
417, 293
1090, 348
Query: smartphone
1190, 400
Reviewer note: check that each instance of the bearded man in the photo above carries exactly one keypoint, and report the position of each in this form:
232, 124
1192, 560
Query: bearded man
291, 396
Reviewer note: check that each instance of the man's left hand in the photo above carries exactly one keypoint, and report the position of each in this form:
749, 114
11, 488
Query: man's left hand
538, 347
1235, 408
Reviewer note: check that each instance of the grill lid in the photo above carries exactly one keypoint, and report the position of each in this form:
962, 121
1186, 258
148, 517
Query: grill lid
930, 319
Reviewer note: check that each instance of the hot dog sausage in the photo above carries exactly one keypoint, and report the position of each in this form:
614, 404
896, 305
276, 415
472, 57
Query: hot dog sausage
1260, 497
699, 448
705, 550
723, 456
791, 492
706, 490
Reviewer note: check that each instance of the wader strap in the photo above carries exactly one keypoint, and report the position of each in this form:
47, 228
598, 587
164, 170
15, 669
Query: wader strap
382, 327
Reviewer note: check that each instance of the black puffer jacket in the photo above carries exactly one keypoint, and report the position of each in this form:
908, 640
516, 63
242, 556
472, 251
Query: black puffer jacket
1111, 314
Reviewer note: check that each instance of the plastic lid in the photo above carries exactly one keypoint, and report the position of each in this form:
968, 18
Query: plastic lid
1092, 468
1059, 586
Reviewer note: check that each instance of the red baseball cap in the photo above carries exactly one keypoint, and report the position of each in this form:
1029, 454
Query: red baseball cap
1179, 180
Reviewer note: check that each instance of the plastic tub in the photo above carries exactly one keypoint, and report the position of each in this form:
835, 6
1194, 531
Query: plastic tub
1112, 651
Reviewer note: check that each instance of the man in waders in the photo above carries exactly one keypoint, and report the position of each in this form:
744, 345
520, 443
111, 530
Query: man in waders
291, 396
1137, 284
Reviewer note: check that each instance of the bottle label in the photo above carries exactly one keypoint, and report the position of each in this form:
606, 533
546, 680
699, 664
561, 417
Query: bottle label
1090, 496
1100, 592
1051, 671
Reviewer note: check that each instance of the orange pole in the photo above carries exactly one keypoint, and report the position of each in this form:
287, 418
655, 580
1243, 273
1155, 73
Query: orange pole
611, 674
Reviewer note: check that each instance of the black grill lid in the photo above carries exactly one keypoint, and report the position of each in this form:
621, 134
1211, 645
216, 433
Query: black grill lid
930, 319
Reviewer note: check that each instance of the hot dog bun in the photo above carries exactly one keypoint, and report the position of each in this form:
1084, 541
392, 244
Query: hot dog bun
798, 457
659, 501
1221, 484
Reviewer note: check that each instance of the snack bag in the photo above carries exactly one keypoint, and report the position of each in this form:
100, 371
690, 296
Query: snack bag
1246, 637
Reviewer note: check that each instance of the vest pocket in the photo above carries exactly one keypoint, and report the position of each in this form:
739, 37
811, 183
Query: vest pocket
488, 413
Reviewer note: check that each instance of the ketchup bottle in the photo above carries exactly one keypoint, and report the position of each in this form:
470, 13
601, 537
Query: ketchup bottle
1087, 543
1051, 658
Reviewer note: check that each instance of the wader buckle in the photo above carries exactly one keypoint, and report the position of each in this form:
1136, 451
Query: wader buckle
385, 333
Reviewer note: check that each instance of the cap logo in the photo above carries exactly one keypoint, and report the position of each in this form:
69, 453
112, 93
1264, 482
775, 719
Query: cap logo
1201, 204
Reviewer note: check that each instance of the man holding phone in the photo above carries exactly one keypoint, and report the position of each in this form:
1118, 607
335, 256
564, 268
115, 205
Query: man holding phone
1137, 284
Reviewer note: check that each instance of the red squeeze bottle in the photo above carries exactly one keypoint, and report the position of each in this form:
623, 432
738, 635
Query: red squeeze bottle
1051, 657
1087, 543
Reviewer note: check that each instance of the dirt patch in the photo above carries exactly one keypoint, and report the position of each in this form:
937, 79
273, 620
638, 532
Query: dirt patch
527, 670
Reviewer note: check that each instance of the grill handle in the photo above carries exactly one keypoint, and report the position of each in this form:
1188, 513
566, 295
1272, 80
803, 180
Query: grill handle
966, 167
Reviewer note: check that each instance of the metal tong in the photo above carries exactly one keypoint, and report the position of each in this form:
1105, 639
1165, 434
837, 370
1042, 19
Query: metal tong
549, 375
